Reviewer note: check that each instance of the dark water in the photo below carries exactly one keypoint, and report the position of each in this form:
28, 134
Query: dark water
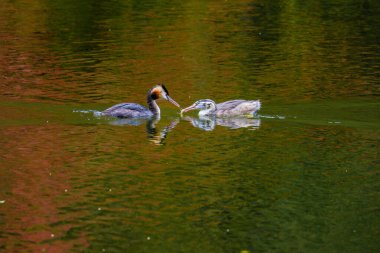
302, 177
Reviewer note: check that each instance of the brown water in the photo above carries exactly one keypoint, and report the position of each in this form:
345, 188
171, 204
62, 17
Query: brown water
302, 177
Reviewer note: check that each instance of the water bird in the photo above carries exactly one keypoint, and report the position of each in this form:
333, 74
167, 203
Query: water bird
133, 110
208, 107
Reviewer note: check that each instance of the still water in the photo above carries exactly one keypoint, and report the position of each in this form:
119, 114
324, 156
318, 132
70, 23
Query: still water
301, 177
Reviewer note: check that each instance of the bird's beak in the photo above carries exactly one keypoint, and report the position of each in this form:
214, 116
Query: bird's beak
172, 101
191, 107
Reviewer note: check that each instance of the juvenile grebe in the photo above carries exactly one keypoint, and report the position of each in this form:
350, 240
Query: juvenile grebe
133, 110
239, 107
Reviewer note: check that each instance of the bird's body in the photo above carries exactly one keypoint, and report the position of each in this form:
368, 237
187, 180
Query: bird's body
237, 107
128, 110
133, 110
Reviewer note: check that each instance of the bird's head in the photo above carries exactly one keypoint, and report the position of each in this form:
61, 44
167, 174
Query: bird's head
203, 105
160, 91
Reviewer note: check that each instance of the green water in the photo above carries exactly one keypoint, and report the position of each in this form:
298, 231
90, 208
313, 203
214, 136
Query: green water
301, 177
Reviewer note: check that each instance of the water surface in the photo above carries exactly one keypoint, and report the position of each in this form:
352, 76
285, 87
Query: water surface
301, 177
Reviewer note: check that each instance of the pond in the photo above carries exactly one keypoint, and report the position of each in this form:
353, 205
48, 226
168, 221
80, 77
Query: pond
301, 176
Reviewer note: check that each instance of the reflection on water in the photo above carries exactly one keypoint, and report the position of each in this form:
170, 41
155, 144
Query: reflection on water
306, 181
158, 137
155, 136
208, 123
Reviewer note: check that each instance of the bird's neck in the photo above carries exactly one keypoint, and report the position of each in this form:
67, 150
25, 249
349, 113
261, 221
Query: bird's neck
153, 107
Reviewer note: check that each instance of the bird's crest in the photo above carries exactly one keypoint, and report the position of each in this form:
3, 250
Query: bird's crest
163, 87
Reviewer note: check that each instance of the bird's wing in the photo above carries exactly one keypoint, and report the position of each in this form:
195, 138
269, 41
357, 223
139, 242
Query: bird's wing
126, 106
228, 105
130, 109
238, 107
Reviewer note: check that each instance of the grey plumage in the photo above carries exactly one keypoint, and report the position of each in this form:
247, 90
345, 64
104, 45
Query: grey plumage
237, 107
132, 110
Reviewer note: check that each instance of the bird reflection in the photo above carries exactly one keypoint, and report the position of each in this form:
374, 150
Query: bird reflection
208, 123
154, 136
159, 137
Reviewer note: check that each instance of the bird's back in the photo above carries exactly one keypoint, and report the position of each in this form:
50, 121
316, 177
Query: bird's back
237, 107
128, 110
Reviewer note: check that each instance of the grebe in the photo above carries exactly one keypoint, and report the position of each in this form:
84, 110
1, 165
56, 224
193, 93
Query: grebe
132, 110
239, 107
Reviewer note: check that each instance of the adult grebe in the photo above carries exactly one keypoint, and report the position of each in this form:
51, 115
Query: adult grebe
208, 107
132, 110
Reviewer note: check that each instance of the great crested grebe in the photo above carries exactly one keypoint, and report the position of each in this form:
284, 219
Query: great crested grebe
239, 107
133, 110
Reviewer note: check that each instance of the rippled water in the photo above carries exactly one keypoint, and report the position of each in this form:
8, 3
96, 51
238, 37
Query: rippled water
303, 176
